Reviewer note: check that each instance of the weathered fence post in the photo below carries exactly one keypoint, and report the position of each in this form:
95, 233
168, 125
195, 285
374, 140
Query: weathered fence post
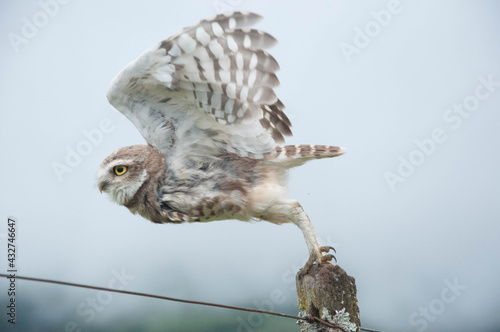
328, 292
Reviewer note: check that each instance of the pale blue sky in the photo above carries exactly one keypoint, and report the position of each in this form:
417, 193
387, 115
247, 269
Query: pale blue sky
405, 240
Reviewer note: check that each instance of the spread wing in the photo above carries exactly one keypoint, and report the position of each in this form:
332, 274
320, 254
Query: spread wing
205, 89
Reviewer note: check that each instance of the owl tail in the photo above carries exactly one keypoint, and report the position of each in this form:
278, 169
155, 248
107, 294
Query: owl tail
296, 155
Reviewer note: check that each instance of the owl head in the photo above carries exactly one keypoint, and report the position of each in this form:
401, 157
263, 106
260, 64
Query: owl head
123, 173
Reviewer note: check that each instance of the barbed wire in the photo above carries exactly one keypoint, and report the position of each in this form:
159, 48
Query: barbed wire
309, 319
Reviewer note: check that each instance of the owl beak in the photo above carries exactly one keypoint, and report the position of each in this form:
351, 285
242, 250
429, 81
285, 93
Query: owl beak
102, 186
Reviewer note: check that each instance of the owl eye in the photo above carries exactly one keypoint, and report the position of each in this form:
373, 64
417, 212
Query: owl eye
120, 170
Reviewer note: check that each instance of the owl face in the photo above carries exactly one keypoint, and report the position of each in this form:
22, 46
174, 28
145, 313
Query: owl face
120, 175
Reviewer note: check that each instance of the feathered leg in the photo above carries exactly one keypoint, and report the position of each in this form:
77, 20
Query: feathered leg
292, 211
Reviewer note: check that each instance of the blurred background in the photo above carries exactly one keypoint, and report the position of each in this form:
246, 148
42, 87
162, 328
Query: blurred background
411, 88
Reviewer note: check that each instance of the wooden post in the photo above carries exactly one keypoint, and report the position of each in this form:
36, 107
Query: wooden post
328, 292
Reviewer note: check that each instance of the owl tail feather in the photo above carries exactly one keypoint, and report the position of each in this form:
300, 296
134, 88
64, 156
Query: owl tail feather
296, 155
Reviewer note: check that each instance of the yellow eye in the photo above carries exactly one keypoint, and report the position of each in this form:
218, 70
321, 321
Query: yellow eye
120, 170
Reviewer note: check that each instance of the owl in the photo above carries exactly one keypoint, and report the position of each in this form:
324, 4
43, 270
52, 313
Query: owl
204, 101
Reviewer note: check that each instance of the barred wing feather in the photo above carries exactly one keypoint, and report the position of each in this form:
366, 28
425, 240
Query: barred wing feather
210, 86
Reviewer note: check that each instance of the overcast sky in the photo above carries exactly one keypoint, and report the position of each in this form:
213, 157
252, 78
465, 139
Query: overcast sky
411, 88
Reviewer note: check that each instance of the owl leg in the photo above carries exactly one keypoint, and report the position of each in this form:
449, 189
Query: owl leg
294, 213
300, 218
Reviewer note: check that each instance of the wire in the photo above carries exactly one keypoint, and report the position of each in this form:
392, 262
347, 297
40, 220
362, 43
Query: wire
309, 319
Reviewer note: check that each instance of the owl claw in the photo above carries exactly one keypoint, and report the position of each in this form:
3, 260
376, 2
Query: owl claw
327, 258
319, 259
307, 266
327, 249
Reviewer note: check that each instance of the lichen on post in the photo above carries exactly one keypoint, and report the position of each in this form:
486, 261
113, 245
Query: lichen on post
328, 292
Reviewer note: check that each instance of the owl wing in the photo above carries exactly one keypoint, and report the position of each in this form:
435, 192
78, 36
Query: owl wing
206, 88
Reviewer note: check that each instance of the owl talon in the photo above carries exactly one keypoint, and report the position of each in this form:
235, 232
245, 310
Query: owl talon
327, 258
319, 259
327, 249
